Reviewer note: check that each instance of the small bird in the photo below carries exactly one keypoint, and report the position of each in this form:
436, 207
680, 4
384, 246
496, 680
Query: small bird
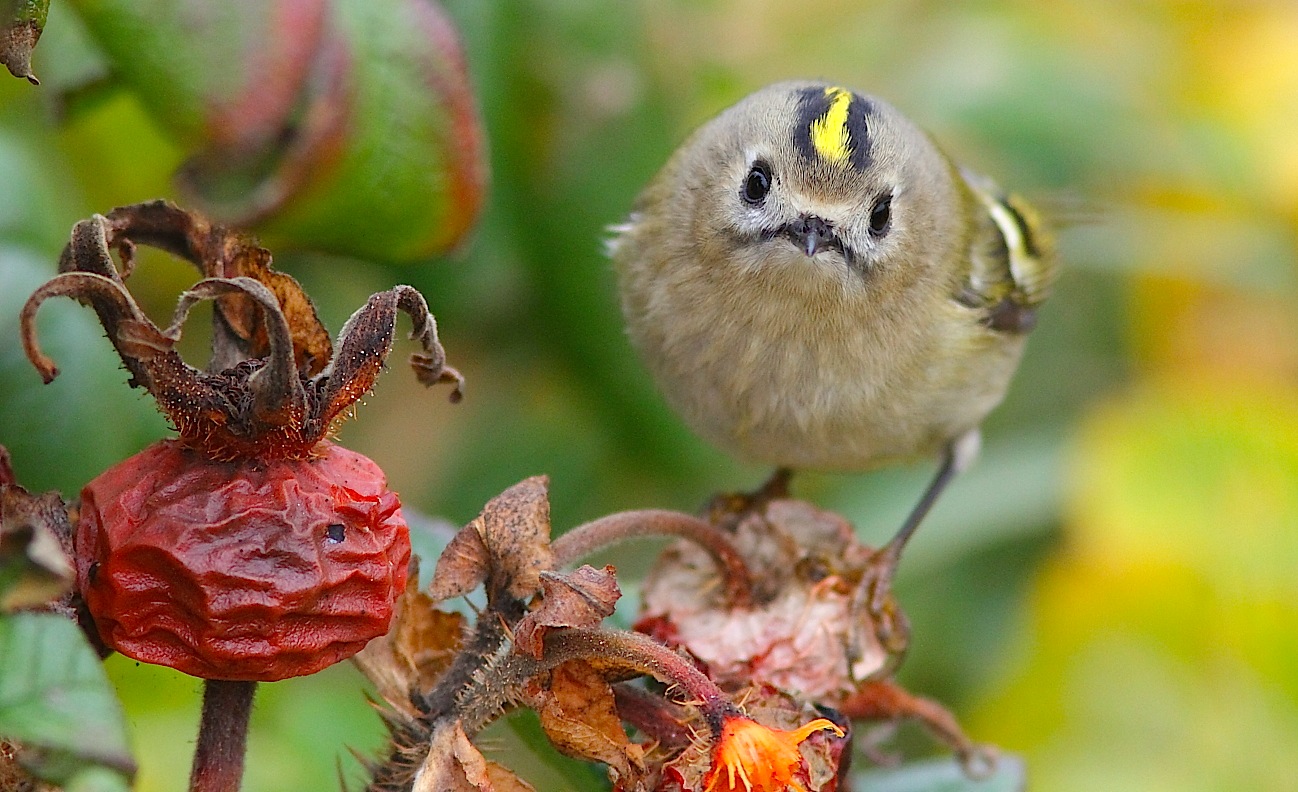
814, 285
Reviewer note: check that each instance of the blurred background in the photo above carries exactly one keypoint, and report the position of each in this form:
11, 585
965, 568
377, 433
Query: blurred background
1112, 591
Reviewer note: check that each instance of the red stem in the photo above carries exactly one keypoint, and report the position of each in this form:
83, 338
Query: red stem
596, 534
222, 736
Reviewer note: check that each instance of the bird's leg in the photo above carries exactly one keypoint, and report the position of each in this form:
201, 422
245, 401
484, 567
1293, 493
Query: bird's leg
957, 456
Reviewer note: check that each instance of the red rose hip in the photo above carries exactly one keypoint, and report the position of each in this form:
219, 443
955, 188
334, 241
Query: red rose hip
231, 570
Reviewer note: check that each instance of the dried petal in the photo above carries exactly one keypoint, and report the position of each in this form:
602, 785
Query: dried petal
507, 546
503, 779
462, 566
577, 711
582, 598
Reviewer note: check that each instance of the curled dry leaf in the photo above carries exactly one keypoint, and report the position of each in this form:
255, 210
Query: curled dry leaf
582, 598
579, 715
421, 643
507, 547
34, 536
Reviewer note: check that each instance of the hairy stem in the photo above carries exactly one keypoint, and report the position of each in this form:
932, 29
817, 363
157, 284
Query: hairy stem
642, 654
622, 526
222, 736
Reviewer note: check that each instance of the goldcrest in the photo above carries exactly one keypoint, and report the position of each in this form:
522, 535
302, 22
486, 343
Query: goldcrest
813, 284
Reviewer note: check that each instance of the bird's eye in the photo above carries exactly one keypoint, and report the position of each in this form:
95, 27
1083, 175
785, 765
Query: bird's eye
880, 216
757, 183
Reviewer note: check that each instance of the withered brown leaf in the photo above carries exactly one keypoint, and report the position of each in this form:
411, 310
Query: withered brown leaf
507, 546
582, 598
453, 764
577, 711
34, 536
503, 779
421, 643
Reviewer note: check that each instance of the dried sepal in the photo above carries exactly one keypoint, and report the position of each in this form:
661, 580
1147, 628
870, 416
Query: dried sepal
364, 344
278, 398
581, 598
506, 547
108, 296
273, 388
462, 566
577, 709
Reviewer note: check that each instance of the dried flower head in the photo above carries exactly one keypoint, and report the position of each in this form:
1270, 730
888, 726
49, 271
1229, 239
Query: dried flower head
808, 569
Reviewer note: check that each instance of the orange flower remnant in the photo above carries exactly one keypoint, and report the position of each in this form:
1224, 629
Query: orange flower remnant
750, 757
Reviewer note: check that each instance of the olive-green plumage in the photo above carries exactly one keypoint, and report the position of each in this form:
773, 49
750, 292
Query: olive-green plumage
814, 285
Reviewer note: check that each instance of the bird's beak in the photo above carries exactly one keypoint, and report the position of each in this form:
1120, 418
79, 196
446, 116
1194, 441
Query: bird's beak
812, 234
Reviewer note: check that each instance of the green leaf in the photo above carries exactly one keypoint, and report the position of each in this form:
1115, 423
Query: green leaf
23, 22
943, 775
56, 699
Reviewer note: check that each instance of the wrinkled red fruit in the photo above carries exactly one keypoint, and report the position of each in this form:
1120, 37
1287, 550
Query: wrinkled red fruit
241, 570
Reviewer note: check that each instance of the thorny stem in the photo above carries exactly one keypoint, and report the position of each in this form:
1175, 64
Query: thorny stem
611, 529
487, 641
497, 678
222, 736
641, 653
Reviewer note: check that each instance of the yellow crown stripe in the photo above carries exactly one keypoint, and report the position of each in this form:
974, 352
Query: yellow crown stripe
829, 132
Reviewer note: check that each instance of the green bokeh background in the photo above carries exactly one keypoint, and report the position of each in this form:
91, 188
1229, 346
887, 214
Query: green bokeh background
1111, 592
